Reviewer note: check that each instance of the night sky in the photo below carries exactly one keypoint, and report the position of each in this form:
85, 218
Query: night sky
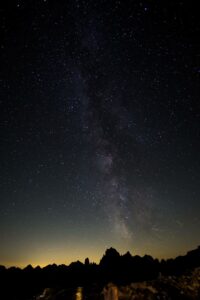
99, 128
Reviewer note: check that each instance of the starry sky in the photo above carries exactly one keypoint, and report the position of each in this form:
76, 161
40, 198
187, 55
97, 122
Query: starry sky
99, 128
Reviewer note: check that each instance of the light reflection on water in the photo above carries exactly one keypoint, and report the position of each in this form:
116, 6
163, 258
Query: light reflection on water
76, 293
50, 293
79, 293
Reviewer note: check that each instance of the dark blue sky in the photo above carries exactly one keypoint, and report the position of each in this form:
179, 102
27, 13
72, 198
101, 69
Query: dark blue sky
99, 112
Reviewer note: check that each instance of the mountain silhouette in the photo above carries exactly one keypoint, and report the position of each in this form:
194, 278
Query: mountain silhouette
124, 269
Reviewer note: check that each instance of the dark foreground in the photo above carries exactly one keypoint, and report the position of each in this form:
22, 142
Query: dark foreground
163, 288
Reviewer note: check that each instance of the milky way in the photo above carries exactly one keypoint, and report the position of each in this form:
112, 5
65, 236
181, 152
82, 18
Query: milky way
117, 142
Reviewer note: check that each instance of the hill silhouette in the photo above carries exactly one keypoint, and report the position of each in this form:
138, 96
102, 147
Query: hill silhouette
124, 269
